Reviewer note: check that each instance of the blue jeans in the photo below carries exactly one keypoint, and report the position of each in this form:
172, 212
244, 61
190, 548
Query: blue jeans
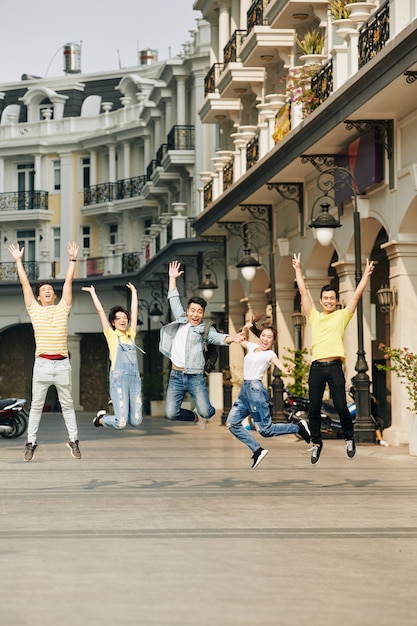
332, 374
125, 389
253, 400
178, 385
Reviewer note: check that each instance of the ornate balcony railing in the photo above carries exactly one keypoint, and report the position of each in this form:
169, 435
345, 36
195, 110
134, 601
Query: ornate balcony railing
151, 168
212, 78
231, 49
162, 150
130, 262
255, 15
181, 138
322, 82
108, 192
23, 200
8, 271
252, 152
96, 194
228, 174
208, 194
374, 34
130, 187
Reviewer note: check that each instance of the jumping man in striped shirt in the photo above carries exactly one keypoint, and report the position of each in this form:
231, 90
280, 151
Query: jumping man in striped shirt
52, 365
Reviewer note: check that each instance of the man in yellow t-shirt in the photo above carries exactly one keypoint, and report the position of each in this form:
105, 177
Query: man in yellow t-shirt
328, 355
52, 365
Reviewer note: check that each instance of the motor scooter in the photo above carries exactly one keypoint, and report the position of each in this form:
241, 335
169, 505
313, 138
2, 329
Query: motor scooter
330, 423
13, 417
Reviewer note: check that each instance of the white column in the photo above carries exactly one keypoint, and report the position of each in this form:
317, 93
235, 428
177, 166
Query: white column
179, 220
67, 209
168, 116
1, 175
38, 172
93, 167
126, 159
112, 163
181, 100
224, 27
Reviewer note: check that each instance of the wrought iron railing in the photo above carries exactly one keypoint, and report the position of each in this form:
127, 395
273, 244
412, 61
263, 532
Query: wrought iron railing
108, 192
96, 194
150, 169
228, 174
231, 49
23, 200
255, 15
252, 152
374, 34
181, 138
322, 82
208, 193
162, 150
212, 77
8, 271
130, 262
130, 187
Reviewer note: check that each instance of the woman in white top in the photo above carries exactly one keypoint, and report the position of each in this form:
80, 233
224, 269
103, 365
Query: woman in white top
253, 397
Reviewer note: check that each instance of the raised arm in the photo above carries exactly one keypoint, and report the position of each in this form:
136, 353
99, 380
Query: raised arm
99, 307
174, 272
17, 254
305, 296
353, 303
133, 306
67, 288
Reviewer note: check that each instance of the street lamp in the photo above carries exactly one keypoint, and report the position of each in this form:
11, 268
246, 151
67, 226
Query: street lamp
329, 181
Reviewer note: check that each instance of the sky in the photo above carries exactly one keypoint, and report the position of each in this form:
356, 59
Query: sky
110, 32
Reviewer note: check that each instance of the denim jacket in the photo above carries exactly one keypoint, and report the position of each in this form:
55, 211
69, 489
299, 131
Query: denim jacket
194, 348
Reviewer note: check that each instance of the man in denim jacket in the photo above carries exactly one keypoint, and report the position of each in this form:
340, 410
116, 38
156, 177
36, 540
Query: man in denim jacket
182, 342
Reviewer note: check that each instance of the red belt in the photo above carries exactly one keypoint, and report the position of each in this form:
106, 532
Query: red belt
53, 357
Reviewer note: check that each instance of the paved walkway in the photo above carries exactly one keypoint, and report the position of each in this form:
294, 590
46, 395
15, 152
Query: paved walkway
167, 526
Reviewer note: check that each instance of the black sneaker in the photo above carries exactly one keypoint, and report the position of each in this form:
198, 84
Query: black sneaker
350, 448
96, 420
257, 457
304, 431
30, 451
315, 453
75, 450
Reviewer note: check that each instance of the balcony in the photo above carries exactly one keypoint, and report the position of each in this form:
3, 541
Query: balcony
236, 80
34, 201
374, 34
8, 271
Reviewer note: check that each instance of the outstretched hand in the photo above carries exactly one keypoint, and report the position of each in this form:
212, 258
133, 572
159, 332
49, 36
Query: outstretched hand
369, 268
72, 249
174, 269
296, 261
90, 289
131, 286
15, 251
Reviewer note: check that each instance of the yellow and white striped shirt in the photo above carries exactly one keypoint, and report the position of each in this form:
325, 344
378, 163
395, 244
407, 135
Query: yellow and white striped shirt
50, 324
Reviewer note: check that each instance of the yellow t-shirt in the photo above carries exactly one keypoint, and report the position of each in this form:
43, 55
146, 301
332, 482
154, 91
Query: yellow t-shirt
50, 327
112, 337
327, 332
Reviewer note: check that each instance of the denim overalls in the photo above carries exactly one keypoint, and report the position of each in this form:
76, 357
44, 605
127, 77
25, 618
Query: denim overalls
125, 388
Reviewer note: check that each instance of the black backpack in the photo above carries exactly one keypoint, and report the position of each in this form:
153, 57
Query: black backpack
211, 351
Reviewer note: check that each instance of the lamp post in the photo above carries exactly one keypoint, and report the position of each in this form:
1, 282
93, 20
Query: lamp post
331, 180
207, 287
263, 224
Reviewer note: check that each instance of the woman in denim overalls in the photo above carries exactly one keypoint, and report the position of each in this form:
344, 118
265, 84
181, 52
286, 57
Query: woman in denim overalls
125, 382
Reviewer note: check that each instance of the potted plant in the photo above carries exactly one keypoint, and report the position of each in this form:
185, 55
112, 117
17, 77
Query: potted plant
403, 363
298, 359
338, 10
299, 88
312, 46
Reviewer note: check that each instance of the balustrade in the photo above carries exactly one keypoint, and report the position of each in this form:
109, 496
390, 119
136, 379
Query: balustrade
374, 34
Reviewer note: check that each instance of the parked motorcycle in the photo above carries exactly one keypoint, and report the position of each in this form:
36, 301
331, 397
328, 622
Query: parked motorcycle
330, 422
13, 417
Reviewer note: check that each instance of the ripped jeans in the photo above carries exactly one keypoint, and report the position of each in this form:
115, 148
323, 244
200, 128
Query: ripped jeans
253, 400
